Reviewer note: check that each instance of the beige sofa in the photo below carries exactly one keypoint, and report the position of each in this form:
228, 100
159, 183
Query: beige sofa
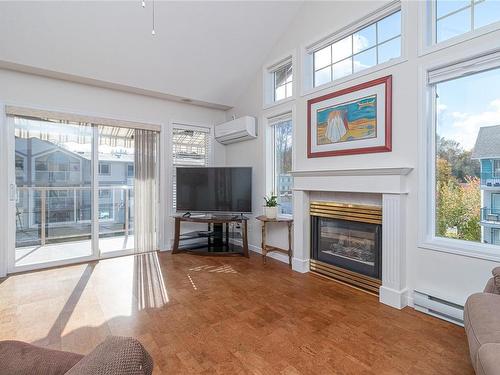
482, 325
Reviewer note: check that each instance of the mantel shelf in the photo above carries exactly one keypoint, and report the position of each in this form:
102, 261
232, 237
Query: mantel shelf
400, 171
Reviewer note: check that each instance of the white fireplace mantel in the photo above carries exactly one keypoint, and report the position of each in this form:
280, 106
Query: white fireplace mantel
376, 180
391, 184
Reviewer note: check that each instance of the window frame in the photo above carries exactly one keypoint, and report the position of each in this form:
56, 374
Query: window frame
427, 43
268, 80
429, 75
274, 73
307, 50
102, 163
495, 168
287, 110
210, 153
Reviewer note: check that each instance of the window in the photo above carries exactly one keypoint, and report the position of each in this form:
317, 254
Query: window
453, 18
190, 147
467, 133
370, 45
278, 81
282, 180
130, 170
283, 80
495, 236
496, 168
105, 169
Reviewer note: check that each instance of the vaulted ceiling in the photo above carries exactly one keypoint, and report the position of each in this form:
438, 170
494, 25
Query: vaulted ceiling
203, 51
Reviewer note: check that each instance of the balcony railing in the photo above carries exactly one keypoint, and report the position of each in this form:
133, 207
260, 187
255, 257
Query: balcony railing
491, 215
489, 180
56, 214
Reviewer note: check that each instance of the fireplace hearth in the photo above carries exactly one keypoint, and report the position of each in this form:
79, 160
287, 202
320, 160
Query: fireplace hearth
346, 243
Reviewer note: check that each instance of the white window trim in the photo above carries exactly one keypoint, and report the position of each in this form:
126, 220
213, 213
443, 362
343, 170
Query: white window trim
268, 80
426, 37
188, 126
283, 110
426, 146
306, 68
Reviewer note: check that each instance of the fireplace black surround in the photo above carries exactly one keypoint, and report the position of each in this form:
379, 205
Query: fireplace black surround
352, 245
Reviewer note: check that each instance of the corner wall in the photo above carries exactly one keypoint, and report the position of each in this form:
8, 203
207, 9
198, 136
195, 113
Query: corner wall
452, 276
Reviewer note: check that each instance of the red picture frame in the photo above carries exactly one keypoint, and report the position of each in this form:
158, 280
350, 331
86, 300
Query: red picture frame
387, 147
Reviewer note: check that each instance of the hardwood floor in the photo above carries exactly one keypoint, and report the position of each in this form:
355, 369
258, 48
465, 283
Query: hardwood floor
212, 315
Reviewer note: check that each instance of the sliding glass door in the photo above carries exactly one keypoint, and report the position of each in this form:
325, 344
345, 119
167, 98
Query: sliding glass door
116, 189
53, 179
72, 192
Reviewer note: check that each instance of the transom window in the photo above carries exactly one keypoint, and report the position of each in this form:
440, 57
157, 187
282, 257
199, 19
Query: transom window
283, 79
190, 148
371, 45
453, 18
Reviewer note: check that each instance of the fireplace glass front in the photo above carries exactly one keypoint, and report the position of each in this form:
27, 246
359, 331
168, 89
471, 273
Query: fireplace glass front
352, 245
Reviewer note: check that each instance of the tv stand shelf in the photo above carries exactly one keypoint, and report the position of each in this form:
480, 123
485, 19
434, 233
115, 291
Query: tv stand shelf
215, 240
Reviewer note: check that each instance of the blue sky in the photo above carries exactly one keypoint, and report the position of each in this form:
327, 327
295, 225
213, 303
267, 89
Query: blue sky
466, 104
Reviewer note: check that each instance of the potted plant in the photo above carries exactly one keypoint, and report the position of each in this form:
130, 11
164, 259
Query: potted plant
271, 207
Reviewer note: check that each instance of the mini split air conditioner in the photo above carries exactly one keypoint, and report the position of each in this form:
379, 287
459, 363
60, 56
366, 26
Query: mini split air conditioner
238, 130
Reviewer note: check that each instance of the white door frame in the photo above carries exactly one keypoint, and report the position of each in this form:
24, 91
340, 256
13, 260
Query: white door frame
11, 221
8, 202
4, 192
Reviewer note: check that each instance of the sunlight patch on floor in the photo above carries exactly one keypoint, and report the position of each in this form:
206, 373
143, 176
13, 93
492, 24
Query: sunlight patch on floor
225, 268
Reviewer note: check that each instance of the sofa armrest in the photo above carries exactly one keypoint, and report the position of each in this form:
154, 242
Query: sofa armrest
488, 359
490, 287
493, 284
21, 358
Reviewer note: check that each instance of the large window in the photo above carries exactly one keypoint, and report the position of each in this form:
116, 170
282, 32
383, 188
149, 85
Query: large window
453, 18
370, 45
467, 134
190, 148
282, 180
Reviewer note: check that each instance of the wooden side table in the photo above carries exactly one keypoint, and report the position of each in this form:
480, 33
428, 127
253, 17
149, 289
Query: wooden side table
268, 248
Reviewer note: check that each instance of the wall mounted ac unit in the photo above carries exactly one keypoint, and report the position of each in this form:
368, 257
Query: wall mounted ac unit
438, 307
238, 130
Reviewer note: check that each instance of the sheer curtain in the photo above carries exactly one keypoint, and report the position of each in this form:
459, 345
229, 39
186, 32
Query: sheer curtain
145, 190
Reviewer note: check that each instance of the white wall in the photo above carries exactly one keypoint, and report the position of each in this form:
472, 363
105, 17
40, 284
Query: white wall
39, 92
450, 275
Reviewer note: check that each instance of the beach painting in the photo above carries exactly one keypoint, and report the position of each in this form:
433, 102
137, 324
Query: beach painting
346, 122
354, 120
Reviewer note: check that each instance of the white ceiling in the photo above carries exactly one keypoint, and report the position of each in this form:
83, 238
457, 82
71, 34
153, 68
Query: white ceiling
205, 51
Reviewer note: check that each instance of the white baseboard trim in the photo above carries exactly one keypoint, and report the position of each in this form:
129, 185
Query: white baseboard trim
394, 298
300, 265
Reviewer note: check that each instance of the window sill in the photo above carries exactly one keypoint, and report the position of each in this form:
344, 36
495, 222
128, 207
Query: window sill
427, 50
354, 76
278, 103
462, 248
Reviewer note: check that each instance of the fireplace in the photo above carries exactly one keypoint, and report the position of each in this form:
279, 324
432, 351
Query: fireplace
346, 243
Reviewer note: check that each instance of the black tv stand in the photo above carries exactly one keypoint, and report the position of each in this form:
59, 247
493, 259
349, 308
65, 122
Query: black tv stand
215, 240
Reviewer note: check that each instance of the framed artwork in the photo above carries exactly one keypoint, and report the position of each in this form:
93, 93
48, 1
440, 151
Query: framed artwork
356, 120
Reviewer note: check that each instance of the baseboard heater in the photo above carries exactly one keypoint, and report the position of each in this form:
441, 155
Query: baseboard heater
438, 307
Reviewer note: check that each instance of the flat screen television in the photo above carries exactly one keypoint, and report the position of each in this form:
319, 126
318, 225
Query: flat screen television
204, 189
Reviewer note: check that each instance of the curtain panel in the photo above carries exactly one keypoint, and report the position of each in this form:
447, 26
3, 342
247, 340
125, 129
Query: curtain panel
145, 190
